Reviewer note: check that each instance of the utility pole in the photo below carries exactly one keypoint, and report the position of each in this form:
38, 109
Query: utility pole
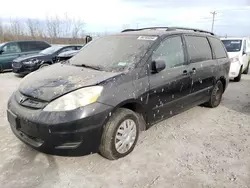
213, 13
105, 33
137, 25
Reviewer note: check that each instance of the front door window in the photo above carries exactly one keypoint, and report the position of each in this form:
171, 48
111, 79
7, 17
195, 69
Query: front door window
11, 48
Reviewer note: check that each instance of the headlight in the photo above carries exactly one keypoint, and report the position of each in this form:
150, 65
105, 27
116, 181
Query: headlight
234, 59
75, 99
32, 61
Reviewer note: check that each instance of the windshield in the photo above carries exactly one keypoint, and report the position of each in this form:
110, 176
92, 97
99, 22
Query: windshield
232, 45
113, 53
51, 50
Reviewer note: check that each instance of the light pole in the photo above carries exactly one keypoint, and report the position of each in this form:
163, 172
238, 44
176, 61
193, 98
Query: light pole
213, 13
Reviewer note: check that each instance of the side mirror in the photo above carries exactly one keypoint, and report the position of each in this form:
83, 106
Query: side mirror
244, 52
158, 66
88, 39
1, 51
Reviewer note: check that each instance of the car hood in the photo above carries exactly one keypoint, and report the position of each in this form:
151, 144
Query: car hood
56, 80
233, 54
28, 57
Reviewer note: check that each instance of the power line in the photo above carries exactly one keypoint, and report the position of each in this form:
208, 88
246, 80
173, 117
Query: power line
213, 13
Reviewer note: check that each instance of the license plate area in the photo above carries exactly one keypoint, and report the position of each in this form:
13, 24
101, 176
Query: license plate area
16, 65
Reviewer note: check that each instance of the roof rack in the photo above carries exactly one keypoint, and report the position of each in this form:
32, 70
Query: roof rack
170, 29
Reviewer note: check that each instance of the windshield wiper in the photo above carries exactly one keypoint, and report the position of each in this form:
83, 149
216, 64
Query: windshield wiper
89, 66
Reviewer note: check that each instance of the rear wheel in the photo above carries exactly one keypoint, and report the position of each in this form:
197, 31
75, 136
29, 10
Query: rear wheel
216, 95
238, 78
247, 69
120, 134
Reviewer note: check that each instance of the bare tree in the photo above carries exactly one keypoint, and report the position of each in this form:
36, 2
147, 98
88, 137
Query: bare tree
53, 27
53, 30
16, 28
32, 28
1, 31
71, 27
66, 25
77, 29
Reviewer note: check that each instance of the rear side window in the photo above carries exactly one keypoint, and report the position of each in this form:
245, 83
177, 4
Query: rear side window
27, 46
40, 45
198, 49
218, 48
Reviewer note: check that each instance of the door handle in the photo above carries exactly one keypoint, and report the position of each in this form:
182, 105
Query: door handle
193, 71
185, 72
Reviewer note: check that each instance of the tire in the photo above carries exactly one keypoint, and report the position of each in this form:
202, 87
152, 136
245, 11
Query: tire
216, 95
238, 78
44, 65
113, 128
1, 70
247, 69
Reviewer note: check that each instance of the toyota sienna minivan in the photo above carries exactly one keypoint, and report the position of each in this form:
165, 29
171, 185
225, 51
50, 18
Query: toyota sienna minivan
117, 86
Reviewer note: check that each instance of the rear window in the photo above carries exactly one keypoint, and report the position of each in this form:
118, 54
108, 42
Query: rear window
218, 48
198, 49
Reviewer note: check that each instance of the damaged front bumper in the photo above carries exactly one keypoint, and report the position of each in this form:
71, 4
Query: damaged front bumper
78, 131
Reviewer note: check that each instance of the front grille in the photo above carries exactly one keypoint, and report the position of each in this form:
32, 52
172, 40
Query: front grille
30, 102
16, 65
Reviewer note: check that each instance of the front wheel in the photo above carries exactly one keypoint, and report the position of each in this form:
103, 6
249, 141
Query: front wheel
216, 95
120, 134
238, 78
247, 69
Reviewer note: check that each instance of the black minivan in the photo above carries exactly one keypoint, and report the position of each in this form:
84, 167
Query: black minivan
117, 86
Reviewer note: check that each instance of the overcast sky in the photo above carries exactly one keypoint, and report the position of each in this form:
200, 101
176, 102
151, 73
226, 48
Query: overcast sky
233, 17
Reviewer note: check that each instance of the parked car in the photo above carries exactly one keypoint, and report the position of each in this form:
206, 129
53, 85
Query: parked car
117, 86
13, 49
30, 63
239, 52
66, 55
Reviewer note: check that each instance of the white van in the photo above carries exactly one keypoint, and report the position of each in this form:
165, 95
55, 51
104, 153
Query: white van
239, 53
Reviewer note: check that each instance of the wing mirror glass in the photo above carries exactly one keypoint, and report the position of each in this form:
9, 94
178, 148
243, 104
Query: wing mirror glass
158, 65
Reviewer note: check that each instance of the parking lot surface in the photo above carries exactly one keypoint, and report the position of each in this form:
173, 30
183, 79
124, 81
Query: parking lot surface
201, 147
